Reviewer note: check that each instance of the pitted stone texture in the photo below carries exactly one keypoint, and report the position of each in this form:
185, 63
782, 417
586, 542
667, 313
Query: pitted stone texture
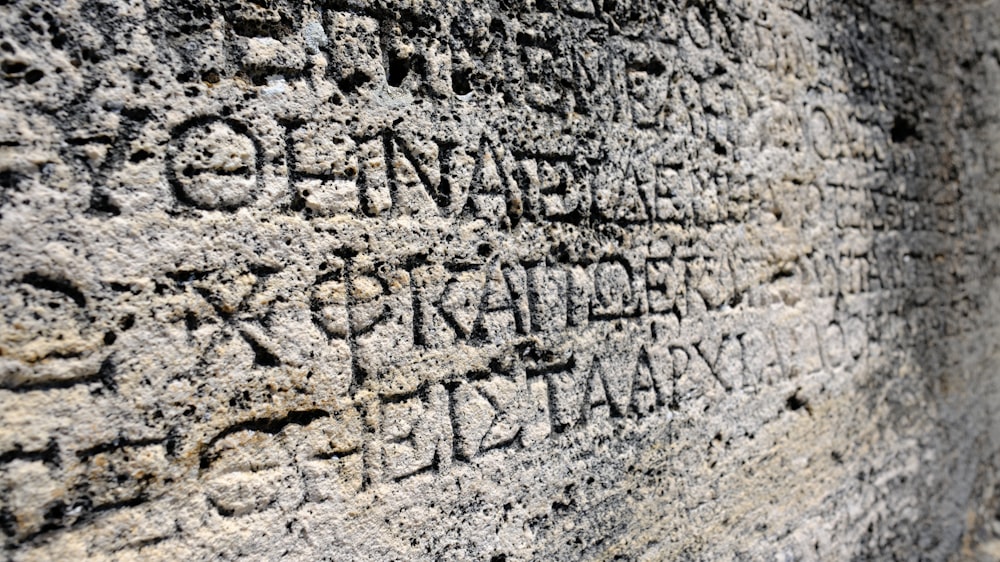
529, 280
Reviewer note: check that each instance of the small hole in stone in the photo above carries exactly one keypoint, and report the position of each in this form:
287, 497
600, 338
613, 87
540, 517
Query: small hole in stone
13, 67
903, 129
398, 69
460, 82
139, 156
353, 81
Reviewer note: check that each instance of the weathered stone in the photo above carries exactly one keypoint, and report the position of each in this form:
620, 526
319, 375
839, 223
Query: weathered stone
553, 279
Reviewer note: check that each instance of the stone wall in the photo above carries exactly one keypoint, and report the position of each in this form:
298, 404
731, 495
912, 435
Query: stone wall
503, 280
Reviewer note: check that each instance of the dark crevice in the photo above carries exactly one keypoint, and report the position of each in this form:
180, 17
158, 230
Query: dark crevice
263, 425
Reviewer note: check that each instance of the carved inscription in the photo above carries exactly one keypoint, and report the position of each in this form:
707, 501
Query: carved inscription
318, 255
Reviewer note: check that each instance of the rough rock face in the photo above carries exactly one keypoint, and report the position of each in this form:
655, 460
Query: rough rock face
501, 280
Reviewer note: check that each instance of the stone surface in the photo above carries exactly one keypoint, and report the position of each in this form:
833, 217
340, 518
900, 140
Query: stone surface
513, 280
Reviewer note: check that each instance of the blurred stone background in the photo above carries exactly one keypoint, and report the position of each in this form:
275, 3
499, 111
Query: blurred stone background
513, 280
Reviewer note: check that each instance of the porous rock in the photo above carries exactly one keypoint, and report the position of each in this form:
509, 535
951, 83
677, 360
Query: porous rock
499, 280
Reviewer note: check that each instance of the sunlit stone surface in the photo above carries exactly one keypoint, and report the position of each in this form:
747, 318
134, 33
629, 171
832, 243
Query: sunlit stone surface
502, 280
